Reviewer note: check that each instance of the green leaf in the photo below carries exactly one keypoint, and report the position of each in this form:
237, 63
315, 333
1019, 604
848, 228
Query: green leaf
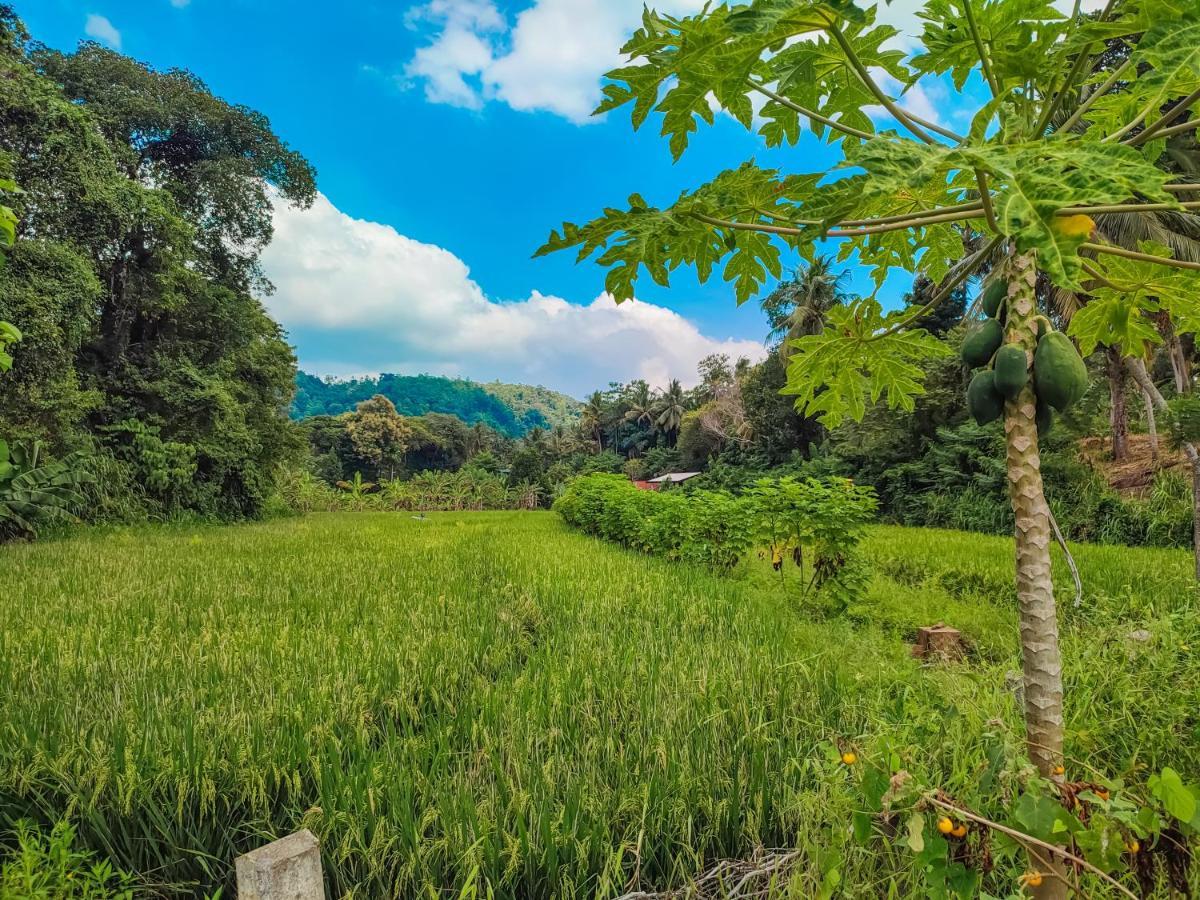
1170, 790
834, 374
916, 832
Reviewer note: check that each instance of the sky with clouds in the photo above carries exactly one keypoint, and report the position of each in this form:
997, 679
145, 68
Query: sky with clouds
449, 137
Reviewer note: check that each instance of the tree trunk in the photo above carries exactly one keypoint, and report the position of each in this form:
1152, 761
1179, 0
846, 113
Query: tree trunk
1118, 413
1137, 368
1040, 656
1151, 428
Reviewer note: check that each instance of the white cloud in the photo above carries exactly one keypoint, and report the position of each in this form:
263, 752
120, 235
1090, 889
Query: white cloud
551, 58
359, 296
101, 29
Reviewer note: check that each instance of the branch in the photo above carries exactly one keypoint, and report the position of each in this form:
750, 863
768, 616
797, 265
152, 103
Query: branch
1166, 118
1167, 132
888, 103
983, 57
1023, 838
1062, 544
1142, 257
1128, 208
1182, 188
1081, 62
1112, 79
965, 268
808, 113
985, 195
1098, 276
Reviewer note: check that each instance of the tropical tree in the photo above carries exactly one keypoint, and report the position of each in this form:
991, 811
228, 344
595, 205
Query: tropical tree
1021, 184
641, 403
800, 305
669, 408
591, 419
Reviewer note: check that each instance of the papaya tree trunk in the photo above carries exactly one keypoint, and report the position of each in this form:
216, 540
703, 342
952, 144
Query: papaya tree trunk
1040, 657
1137, 369
1118, 412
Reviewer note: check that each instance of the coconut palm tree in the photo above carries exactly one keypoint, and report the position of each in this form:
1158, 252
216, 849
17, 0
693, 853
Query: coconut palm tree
669, 410
641, 404
798, 306
591, 419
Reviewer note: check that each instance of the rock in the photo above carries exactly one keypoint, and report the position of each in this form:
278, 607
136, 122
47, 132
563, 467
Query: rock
286, 869
1141, 635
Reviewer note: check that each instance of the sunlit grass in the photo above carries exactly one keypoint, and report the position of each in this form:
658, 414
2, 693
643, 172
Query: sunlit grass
490, 697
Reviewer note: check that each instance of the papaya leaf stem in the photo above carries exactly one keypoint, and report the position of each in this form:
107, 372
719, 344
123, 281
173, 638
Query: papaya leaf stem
808, 113
1166, 119
965, 268
1143, 257
983, 55
1083, 107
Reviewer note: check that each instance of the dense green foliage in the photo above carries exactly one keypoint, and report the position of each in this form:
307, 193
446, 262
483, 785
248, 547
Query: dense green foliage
48, 866
813, 522
491, 699
511, 409
146, 201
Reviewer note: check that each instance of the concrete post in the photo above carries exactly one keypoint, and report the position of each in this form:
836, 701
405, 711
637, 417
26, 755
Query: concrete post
286, 869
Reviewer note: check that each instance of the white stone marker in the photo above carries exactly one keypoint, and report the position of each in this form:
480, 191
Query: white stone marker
286, 869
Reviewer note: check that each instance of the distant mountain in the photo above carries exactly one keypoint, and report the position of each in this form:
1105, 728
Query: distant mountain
511, 409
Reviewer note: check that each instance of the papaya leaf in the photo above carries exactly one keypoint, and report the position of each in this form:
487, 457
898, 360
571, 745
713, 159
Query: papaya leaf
834, 374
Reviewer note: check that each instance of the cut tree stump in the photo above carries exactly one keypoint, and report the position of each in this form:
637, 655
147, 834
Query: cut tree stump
939, 640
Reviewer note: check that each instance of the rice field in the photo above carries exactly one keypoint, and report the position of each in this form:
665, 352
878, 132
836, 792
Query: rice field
490, 702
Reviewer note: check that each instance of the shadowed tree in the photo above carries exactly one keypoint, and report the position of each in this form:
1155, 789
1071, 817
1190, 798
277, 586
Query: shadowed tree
669, 409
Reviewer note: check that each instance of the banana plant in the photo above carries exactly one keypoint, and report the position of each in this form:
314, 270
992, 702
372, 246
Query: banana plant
1060, 138
34, 492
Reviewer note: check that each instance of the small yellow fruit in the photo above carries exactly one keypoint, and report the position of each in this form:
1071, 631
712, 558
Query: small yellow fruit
1101, 793
1075, 226
1033, 879
960, 831
1133, 846
945, 826
1059, 770
849, 758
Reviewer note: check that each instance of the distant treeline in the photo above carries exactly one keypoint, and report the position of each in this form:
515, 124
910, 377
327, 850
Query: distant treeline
510, 409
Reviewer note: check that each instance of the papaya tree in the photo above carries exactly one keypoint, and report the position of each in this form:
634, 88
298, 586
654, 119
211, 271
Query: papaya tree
1057, 140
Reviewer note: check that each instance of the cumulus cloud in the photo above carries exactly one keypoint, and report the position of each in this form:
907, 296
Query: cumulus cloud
358, 296
101, 29
551, 58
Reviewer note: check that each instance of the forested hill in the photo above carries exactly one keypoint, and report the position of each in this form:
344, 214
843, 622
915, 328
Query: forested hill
511, 409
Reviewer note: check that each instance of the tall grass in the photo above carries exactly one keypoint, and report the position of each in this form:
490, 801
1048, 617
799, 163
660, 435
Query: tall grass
491, 699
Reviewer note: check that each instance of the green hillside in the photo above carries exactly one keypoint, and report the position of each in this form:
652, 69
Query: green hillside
511, 409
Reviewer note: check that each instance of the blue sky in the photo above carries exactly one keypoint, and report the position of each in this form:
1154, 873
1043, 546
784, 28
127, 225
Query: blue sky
449, 137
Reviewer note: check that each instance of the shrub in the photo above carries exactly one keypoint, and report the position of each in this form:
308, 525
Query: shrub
717, 528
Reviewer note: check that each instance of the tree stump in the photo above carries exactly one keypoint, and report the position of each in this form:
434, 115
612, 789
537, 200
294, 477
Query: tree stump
940, 641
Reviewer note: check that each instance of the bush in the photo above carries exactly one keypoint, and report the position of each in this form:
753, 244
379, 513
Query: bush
716, 528
48, 867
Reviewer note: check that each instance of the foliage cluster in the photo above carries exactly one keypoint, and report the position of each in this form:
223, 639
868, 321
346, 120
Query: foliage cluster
49, 866
145, 202
510, 409
818, 523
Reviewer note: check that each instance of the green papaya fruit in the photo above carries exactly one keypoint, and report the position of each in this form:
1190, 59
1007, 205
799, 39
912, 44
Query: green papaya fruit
980, 344
1059, 374
1012, 370
993, 297
1045, 419
983, 401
